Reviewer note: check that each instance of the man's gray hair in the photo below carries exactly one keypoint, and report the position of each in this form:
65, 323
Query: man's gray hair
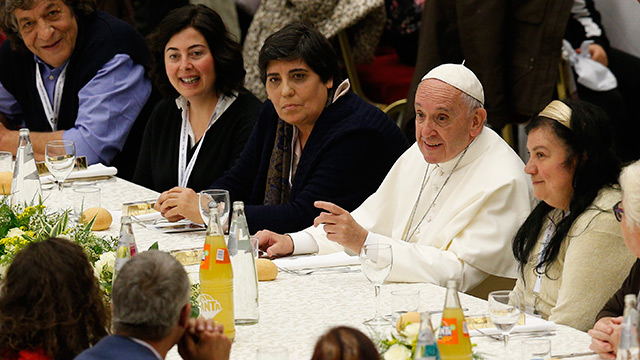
630, 183
470, 102
148, 295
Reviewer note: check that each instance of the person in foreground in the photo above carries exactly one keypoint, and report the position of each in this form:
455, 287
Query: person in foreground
345, 343
606, 331
449, 206
314, 139
570, 251
50, 303
69, 71
150, 304
200, 129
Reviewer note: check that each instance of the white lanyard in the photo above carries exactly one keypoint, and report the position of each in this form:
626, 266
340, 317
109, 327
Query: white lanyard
51, 113
184, 169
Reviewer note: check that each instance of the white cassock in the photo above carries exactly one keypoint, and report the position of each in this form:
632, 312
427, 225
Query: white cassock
467, 232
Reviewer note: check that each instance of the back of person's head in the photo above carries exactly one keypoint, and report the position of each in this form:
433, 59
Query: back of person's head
585, 131
299, 41
51, 300
345, 343
148, 296
630, 183
9, 23
226, 52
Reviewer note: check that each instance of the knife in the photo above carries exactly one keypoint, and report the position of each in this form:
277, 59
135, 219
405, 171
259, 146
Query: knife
572, 355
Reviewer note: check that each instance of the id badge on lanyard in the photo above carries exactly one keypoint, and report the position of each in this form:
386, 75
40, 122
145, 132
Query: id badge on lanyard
51, 112
184, 168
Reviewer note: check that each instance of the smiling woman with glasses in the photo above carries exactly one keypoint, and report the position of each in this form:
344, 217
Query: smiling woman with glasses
606, 331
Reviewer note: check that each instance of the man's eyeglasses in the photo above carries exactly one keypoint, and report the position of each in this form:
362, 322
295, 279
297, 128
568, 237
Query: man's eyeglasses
618, 211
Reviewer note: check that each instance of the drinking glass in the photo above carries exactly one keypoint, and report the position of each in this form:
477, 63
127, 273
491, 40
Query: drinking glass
60, 158
84, 197
215, 198
404, 301
536, 349
376, 261
504, 309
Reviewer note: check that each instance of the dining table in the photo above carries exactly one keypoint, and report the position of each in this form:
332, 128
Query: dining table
296, 309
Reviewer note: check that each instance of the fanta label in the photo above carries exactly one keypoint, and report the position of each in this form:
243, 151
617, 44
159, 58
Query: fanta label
448, 333
222, 256
206, 257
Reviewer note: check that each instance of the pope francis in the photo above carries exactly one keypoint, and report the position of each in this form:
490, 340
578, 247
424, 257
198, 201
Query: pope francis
449, 206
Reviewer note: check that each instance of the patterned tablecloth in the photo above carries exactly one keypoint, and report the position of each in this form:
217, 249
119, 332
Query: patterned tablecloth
296, 309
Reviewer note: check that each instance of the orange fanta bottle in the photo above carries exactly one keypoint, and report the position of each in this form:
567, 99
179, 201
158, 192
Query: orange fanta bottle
453, 335
216, 277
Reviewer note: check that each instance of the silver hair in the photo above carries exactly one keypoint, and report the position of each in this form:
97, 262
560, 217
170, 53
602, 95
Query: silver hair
149, 293
470, 102
630, 183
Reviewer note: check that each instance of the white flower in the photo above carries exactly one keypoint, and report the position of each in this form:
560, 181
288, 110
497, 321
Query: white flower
14, 232
397, 352
411, 331
107, 259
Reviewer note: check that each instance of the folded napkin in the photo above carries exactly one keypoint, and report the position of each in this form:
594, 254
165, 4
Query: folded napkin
531, 324
91, 171
316, 261
156, 215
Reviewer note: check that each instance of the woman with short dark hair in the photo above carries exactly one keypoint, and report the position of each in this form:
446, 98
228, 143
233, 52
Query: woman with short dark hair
571, 241
51, 306
201, 127
314, 140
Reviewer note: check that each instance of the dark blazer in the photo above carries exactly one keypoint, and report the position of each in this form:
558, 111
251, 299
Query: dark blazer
117, 347
350, 150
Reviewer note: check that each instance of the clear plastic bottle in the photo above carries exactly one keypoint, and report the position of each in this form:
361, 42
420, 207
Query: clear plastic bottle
245, 277
25, 187
123, 251
216, 277
426, 345
453, 336
628, 345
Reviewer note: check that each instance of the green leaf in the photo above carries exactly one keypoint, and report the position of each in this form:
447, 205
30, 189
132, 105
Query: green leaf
153, 246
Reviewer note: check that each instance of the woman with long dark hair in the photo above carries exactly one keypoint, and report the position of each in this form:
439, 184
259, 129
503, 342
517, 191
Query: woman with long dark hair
51, 306
198, 131
571, 240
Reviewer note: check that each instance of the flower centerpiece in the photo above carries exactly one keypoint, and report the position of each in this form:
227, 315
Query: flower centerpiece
20, 226
401, 344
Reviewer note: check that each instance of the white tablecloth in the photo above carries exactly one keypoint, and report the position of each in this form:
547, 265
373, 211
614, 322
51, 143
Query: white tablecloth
296, 309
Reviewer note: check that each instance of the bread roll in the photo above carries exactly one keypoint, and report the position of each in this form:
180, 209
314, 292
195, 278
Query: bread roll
267, 270
406, 319
103, 218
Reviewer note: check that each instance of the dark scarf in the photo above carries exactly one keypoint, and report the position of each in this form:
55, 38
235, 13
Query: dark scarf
278, 188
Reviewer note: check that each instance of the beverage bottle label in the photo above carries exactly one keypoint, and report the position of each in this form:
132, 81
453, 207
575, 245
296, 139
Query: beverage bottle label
206, 257
448, 334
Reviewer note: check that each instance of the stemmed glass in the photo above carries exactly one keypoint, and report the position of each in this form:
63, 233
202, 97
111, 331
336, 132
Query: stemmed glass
60, 158
221, 199
376, 261
504, 309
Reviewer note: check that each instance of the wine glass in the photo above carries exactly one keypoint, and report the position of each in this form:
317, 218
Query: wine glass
504, 309
220, 198
60, 158
376, 261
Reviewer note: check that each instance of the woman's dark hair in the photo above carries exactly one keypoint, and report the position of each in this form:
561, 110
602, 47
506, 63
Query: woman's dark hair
226, 52
345, 343
589, 143
9, 24
51, 300
301, 41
